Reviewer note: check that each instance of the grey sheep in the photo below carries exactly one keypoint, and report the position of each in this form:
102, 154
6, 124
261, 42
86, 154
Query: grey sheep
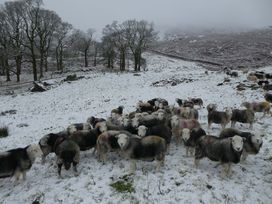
224, 150
242, 116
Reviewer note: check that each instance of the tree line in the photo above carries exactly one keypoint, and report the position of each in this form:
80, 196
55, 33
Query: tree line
32, 35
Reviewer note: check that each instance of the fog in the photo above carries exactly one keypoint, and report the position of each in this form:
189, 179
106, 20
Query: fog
84, 14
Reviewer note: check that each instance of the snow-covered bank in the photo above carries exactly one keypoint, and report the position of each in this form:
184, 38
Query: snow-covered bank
179, 182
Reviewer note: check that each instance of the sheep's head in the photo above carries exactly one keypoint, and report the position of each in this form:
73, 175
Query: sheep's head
185, 134
237, 143
142, 130
122, 140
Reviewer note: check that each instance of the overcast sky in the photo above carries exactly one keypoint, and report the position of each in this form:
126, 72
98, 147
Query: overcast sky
84, 14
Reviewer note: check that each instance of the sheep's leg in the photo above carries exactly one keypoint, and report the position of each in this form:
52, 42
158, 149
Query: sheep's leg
43, 159
250, 126
132, 166
191, 151
196, 162
75, 168
233, 124
228, 172
209, 125
24, 175
187, 151
59, 169
244, 155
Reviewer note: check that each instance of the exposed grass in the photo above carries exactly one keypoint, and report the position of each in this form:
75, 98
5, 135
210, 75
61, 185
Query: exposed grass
4, 132
123, 185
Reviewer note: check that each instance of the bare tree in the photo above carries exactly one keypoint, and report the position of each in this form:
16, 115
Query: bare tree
31, 16
4, 45
140, 35
15, 27
60, 35
47, 23
82, 42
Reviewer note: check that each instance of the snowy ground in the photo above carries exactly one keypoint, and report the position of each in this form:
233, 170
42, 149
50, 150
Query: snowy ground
97, 94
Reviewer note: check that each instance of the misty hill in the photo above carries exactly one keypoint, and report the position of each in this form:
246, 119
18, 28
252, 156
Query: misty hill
242, 50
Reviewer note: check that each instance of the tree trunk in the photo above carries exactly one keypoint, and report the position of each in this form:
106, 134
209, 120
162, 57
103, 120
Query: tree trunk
61, 58
41, 64
86, 57
46, 61
18, 60
109, 62
135, 62
7, 69
95, 55
34, 63
57, 57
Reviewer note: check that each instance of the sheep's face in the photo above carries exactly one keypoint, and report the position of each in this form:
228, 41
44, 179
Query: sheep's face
67, 165
122, 140
71, 129
237, 143
135, 122
157, 104
102, 126
160, 116
34, 151
256, 139
228, 112
126, 121
142, 130
175, 120
185, 134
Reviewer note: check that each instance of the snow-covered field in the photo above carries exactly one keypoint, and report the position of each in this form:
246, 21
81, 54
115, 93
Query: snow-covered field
97, 94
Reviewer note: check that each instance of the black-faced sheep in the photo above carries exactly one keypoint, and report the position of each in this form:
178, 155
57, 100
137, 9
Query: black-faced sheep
144, 107
87, 139
263, 106
48, 142
242, 116
118, 110
197, 101
252, 143
93, 120
158, 102
218, 117
16, 162
268, 97
147, 148
67, 152
162, 131
224, 150
190, 137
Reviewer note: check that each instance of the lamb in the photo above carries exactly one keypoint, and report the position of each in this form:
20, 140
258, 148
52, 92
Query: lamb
258, 106
252, 143
48, 142
16, 162
218, 117
242, 116
78, 126
107, 141
87, 139
147, 148
224, 150
268, 97
159, 130
190, 138
67, 152
178, 124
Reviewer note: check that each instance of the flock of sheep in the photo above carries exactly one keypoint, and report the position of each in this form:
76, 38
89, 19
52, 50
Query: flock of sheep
146, 134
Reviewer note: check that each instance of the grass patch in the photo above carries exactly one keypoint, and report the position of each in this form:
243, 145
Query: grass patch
123, 185
4, 132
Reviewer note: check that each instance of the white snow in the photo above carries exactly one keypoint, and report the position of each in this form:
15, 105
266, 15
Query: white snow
97, 94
